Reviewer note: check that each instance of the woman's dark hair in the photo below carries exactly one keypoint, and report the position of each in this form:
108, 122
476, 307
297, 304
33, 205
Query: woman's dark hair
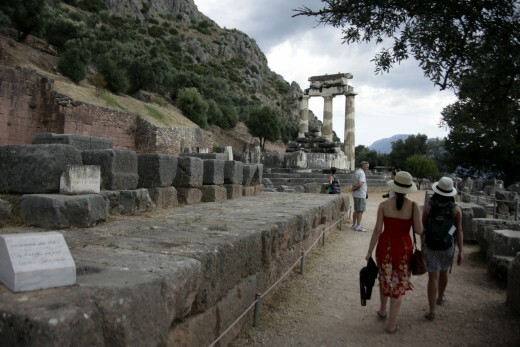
333, 170
442, 198
399, 200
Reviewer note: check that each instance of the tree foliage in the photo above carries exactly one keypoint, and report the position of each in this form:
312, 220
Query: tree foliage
193, 106
472, 47
421, 167
25, 15
265, 124
402, 150
446, 37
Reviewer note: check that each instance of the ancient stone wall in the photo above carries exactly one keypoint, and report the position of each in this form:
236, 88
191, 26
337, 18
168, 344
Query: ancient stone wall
22, 101
28, 106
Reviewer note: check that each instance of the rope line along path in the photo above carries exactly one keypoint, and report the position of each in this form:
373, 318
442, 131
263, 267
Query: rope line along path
323, 307
258, 299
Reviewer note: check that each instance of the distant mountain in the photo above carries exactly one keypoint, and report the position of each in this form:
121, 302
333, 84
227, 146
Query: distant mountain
384, 146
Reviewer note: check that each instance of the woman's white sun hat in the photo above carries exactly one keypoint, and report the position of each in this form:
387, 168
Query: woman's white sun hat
402, 183
444, 187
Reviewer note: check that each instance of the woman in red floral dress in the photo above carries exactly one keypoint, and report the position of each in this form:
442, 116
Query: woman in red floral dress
394, 248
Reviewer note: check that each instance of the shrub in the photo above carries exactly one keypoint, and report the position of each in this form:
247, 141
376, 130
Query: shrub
193, 106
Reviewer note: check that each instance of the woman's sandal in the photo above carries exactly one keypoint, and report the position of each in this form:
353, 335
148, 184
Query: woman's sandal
381, 316
430, 316
393, 330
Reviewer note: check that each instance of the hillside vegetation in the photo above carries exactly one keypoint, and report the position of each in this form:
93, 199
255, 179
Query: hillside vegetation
139, 56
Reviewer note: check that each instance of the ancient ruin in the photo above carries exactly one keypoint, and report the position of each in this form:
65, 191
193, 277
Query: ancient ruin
321, 140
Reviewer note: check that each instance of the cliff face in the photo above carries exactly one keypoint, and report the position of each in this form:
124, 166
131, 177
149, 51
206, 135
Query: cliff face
216, 46
182, 10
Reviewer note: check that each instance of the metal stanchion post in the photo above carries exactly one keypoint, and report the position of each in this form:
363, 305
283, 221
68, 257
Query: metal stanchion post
323, 238
495, 208
258, 302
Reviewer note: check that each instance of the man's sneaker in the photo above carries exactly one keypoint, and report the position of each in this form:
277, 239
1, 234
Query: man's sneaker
360, 228
354, 227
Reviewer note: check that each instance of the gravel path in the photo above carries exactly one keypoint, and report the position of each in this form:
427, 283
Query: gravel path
322, 308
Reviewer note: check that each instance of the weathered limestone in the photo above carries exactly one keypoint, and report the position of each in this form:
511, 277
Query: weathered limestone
252, 174
233, 172
304, 116
164, 197
328, 86
35, 168
119, 167
81, 142
513, 284
190, 173
135, 201
212, 193
32, 261
350, 127
156, 170
189, 196
213, 172
470, 211
81, 179
234, 191
6, 213
54, 211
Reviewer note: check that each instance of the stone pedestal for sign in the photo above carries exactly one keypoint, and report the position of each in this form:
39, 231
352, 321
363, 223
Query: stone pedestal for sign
32, 261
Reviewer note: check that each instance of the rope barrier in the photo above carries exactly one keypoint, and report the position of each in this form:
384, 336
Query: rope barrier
260, 296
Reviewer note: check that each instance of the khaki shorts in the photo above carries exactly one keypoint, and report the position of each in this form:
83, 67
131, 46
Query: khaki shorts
360, 204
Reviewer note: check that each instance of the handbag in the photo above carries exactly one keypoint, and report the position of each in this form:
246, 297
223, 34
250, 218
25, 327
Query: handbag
418, 261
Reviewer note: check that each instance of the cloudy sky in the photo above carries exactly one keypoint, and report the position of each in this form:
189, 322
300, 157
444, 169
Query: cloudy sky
402, 101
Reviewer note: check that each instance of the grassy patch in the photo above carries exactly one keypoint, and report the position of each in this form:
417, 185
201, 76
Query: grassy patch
156, 114
111, 101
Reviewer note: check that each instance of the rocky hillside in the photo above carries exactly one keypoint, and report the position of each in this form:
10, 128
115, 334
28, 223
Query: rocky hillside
225, 65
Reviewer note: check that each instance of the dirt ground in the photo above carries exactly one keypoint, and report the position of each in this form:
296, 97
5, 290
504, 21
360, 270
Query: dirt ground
322, 307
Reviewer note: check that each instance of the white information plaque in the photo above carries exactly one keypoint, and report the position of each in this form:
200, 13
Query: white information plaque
34, 261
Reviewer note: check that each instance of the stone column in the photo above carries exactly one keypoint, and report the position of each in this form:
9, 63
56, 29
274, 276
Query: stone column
304, 117
350, 128
327, 117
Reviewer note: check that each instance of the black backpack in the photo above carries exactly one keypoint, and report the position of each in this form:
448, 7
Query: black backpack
441, 219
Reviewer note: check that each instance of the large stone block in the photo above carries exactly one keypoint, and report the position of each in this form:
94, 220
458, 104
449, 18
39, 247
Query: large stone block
156, 170
207, 156
190, 173
54, 211
213, 193
513, 284
234, 191
6, 213
81, 142
35, 168
164, 197
469, 212
213, 172
233, 172
189, 196
506, 242
252, 174
135, 201
118, 167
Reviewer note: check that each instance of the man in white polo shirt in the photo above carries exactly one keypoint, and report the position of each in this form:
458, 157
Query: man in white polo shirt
360, 194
